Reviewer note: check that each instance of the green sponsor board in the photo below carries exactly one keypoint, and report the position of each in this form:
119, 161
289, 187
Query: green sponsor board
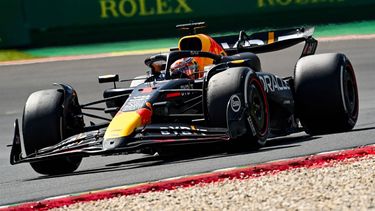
12, 29
47, 22
45, 13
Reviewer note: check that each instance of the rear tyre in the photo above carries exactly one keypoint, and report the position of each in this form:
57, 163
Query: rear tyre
326, 93
43, 126
242, 81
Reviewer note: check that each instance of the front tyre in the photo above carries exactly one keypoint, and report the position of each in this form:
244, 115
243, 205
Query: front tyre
326, 93
43, 126
230, 85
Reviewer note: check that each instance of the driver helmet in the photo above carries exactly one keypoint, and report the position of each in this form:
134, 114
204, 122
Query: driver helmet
184, 68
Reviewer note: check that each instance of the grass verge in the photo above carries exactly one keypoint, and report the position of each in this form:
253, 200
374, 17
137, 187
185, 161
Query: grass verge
11, 55
324, 30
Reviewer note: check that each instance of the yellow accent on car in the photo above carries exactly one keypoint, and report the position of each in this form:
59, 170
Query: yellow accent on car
201, 42
240, 61
122, 125
271, 37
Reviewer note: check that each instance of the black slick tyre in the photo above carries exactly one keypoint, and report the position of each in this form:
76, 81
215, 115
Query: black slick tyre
326, 93
42, 127
244, 82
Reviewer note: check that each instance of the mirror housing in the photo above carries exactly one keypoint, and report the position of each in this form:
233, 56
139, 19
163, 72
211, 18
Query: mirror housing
108, 78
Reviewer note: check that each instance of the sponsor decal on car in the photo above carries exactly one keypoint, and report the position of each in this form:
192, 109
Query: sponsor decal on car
186, 86
235, 103
272, 83
182, 130
135, 103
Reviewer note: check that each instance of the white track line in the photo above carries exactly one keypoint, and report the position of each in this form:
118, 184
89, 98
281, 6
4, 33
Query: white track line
347, 37
82, 57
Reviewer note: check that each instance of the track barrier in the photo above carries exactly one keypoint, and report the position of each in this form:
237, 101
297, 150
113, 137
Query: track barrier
35, 23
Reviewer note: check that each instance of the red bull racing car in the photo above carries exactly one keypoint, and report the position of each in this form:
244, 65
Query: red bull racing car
228, 98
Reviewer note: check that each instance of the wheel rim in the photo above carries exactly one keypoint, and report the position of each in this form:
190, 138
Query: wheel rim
350, 92
258, 108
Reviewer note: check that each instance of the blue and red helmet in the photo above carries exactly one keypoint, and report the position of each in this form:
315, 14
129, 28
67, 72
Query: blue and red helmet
184, 68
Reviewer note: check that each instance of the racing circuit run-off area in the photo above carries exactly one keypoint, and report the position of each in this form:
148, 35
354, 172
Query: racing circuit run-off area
253, 187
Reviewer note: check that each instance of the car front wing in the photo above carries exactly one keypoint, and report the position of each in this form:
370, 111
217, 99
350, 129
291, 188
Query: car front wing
91, 143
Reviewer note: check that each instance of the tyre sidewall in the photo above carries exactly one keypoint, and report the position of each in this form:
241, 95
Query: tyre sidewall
319, 94
43, 126
221, 87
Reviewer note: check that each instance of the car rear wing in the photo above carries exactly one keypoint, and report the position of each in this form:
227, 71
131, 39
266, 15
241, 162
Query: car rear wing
262, 42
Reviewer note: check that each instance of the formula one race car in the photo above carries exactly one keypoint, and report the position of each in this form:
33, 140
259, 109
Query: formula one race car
228, 99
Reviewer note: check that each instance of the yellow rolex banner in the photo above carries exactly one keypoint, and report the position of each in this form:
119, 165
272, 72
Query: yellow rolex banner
46, 22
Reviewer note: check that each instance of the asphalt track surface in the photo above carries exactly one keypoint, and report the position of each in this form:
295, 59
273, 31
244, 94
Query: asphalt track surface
20, 183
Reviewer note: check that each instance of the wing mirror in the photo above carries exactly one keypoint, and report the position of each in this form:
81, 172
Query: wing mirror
109, 78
